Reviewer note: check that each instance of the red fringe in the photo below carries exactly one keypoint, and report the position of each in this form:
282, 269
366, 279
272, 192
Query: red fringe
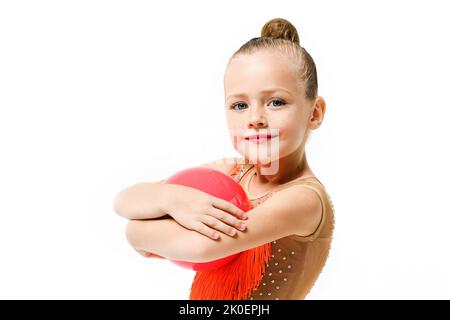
234, 281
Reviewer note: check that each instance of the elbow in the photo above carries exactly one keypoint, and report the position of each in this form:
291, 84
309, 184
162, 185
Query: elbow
130, 234
117, 204
122, 204
133, 235
129, 202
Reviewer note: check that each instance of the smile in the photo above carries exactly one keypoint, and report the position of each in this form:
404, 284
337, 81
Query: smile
259, 138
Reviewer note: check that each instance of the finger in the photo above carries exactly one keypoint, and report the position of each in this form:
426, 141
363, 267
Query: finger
228, 206
203, 229
227, 218
218, 225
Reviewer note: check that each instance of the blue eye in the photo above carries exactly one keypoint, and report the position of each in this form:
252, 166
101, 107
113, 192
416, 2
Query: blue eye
233, 107
236, 104
279, 100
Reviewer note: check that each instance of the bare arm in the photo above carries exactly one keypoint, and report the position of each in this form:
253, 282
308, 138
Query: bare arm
146, 200
143, 200
295, 210
165, 238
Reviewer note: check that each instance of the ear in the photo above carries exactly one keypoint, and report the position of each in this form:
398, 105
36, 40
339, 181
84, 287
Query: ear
317, 113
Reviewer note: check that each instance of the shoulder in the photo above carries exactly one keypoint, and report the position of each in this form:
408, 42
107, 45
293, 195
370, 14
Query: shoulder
300, 205
223, 164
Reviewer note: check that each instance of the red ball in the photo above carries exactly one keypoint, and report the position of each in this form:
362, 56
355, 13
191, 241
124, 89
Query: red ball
217, 184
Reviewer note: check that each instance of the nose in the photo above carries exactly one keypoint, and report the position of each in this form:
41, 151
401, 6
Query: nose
257, 119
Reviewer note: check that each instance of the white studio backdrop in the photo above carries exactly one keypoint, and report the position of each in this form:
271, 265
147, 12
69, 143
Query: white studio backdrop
98, 95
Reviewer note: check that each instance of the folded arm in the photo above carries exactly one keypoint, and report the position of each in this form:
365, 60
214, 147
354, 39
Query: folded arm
144, 200
294, 210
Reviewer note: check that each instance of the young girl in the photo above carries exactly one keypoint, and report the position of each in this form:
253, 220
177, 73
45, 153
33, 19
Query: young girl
271, 99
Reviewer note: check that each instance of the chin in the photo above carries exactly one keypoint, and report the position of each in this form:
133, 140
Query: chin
258, 153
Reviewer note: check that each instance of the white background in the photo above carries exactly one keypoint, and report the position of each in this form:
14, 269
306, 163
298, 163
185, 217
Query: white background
98, 95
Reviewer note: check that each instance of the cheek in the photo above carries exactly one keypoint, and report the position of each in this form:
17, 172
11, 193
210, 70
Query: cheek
235, 133
291, 135
232, 120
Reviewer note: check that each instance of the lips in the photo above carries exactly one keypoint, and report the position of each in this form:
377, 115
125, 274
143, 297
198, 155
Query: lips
259, 138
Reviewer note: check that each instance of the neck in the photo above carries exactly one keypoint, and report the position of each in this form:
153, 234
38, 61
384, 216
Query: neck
290, 167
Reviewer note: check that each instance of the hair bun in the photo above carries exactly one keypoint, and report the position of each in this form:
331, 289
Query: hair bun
280, 28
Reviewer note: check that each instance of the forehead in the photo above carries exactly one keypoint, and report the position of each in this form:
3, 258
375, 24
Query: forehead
247, 73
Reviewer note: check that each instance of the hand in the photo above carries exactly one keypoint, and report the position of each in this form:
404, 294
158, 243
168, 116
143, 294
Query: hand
199, 211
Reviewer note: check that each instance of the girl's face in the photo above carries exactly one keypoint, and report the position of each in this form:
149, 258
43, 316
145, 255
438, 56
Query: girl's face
262, 95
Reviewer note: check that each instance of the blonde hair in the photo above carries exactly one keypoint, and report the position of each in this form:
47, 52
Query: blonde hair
281, 36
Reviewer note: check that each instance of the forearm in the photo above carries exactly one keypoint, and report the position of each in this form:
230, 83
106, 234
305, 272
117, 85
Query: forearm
166, 238
142, 201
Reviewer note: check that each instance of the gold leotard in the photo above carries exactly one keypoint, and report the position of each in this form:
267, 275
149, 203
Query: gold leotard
296, 261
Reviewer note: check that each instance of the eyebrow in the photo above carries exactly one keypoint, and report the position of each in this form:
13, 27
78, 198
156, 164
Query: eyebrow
238, 95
